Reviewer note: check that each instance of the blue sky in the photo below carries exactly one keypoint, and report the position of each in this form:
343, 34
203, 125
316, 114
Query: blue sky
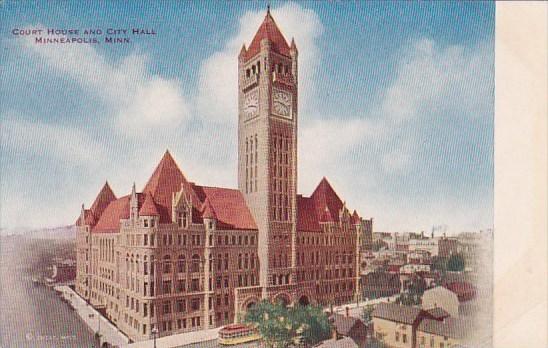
396, 105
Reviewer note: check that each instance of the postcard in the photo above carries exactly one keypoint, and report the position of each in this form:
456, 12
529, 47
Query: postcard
247, 174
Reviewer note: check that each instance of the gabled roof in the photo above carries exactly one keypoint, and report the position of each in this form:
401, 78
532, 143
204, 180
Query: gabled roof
166, 179
396, 313
344, 324
450, 327
103, 199
307, 219
207, 210
149, 207
229, 206
268, 30
325, 197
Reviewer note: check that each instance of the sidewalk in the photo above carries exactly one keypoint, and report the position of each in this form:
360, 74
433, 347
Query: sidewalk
109, 333
179, 340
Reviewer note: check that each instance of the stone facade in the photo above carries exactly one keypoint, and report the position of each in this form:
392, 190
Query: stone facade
181, 257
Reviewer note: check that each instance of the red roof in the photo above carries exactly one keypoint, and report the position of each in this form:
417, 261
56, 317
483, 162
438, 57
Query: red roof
110, 219
326, 216
464, 290
228, 206
323, 206
325, 197
207, 210
166, 179
149, 207
307, 219
103, 199
268, 30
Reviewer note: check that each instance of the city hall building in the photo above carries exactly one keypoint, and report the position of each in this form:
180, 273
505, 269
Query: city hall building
179, 257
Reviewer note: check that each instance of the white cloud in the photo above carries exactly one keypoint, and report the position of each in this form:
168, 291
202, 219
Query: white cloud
152, 114
65, 144
140, 101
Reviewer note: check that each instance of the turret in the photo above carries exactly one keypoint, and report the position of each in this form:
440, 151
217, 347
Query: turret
133, 205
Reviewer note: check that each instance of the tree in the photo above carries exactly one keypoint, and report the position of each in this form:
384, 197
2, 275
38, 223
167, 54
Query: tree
439, 264
455, 263
282, 327
366, 315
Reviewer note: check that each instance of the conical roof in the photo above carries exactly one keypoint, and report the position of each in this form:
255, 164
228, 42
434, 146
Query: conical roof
268, 30
149, 207
102, 200
166, 179
325, 197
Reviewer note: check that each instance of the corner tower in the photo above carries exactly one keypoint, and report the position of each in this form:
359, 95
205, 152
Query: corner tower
267, 148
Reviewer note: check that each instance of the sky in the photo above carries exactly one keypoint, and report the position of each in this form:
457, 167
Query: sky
396, 104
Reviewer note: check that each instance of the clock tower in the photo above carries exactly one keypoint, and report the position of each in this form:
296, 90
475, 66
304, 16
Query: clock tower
267, 149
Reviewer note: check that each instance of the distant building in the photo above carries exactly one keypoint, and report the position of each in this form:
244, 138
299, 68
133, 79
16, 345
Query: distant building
429, 245
396, 325
448, 246
380, 284
348, 326
446, 333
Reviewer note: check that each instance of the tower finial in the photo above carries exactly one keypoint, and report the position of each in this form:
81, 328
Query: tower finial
268, 8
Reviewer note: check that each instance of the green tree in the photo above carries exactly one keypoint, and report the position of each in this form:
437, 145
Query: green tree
439, 264
282, 327
455, 263
366, 314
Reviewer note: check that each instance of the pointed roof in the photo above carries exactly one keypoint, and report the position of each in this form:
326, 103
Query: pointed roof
166, 179
268, 30
149, 207
325, 197
207, 210
327, 216
103, 199
355, 218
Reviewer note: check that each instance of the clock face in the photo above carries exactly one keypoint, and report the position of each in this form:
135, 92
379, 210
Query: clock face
251, 104
281, 103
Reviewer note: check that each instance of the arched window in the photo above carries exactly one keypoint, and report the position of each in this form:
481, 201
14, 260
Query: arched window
181, 264
167, 264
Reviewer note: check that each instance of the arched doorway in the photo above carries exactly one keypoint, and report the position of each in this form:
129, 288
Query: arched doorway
250, 305
304, 301
282, 299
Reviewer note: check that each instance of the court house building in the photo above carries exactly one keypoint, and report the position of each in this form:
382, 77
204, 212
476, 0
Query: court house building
177, 256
